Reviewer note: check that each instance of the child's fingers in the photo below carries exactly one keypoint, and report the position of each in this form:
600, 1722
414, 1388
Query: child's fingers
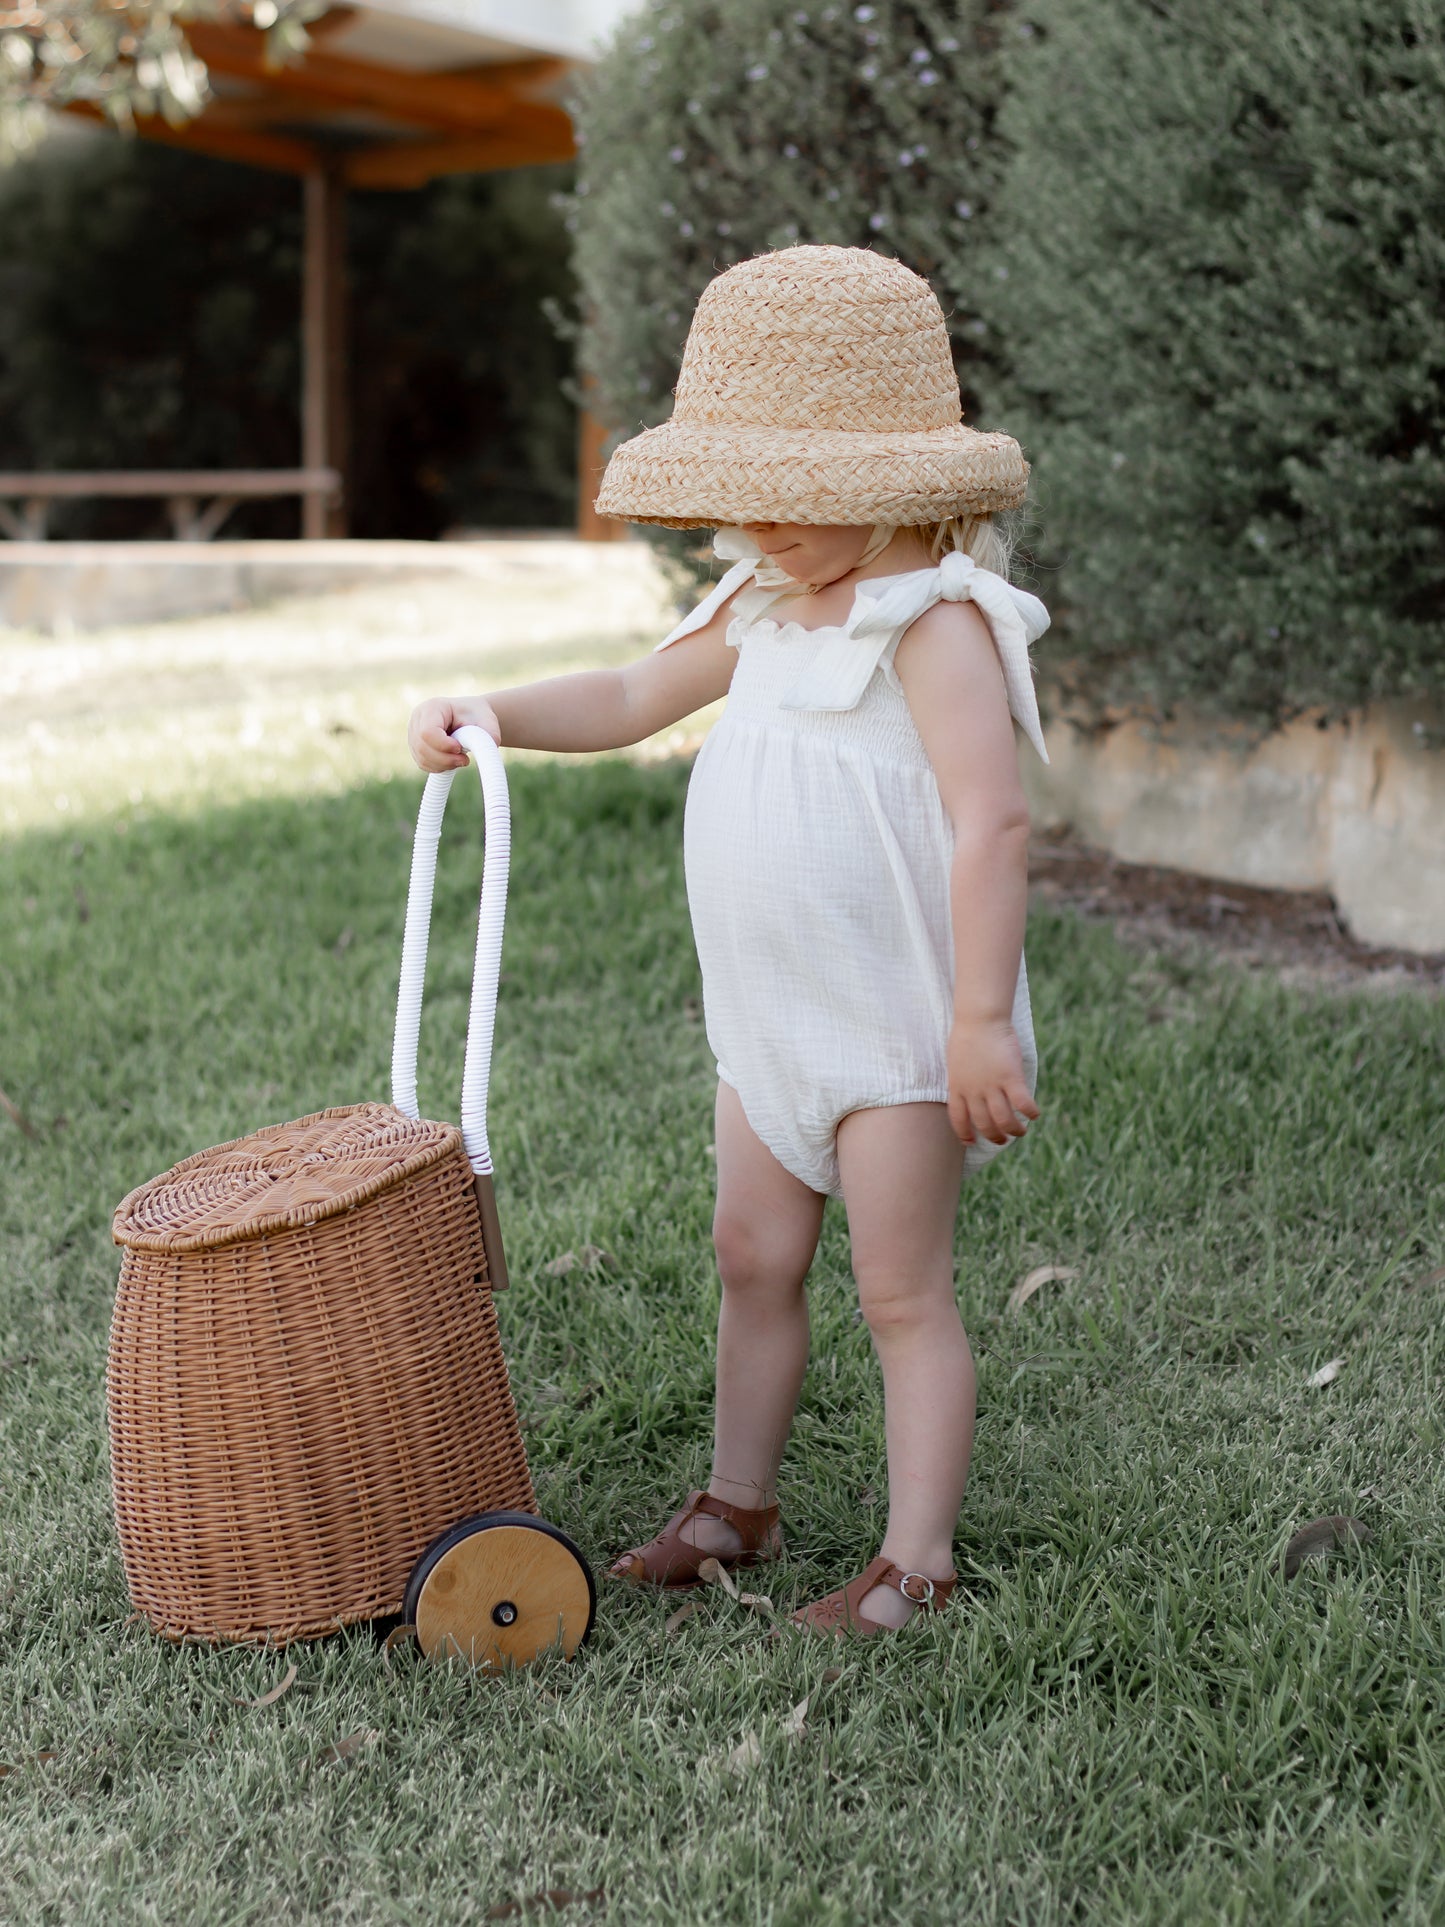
1003, 1113
448, 752
958, 1117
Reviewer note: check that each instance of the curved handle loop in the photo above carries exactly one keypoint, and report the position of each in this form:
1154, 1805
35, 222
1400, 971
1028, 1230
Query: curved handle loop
486, 972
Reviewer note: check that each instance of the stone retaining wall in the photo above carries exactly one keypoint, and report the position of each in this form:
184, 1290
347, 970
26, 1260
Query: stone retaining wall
1354, 807
67, 588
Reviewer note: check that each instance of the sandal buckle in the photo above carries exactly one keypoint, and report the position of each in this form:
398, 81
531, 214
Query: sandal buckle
924, 1598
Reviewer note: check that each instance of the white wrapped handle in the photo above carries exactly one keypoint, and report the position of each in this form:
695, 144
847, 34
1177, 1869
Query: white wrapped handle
486, 972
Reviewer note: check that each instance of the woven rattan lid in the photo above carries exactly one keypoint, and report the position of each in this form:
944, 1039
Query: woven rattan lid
279, 1179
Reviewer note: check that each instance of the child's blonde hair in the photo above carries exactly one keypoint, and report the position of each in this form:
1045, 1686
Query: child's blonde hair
989, 542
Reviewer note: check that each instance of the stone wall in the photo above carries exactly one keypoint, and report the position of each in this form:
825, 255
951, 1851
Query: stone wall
1355, 807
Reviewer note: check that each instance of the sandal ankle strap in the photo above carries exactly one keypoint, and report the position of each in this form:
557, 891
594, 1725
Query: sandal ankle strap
751, 1522
930, 1594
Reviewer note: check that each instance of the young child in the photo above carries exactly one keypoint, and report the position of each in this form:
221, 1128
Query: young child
856, 856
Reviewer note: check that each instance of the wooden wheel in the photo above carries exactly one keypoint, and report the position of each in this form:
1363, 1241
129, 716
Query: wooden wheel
499, 1589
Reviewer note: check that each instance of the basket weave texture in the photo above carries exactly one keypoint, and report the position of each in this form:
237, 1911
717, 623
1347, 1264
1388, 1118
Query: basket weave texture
306, 1383
817, 386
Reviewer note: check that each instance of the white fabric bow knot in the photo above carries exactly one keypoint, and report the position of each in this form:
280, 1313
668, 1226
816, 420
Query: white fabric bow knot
843, 667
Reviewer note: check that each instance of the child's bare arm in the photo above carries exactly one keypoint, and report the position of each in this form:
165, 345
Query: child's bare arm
951, 676
597, 709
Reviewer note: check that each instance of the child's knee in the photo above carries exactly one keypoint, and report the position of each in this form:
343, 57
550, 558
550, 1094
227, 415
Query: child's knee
896, 1301
753, 1260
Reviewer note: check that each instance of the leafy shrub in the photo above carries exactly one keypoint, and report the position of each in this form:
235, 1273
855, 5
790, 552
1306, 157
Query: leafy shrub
1219, 278
712, 130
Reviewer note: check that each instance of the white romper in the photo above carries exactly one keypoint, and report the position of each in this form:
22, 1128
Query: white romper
818, 853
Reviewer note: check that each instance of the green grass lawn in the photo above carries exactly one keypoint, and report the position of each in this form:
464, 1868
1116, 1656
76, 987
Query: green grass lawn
1128, 1714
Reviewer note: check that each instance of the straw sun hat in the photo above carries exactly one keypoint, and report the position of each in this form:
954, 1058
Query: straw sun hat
816, 387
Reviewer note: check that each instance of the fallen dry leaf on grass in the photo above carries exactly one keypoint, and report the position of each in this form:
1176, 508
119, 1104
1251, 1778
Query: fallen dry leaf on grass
759, 1601
590, 1257
548, 1902
1327, 1374
16, 1116
1040, 1275
1431, 1279
674, 1620
1321, 1537
284, 1685
796, 1724
745, 1755
713, 1574
353, 1744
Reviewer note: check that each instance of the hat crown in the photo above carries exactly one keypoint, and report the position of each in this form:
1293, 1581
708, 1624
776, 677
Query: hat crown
819, 338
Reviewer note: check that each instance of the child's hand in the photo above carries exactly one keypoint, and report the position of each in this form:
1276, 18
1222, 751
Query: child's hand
987, 1094
430, 734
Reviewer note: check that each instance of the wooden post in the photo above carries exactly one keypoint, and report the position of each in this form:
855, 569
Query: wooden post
591, 438
323, 346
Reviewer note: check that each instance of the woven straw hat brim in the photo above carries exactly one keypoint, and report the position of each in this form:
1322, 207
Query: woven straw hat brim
700, 475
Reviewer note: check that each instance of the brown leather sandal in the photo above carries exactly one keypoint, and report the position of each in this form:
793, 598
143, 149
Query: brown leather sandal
670, 1562
838, 1614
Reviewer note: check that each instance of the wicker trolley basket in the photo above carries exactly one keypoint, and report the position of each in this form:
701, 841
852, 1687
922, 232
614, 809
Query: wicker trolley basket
310, 1417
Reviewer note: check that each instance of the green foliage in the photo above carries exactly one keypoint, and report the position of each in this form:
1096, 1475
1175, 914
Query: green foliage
458, 405
121, 57
1194, 263
711, 132
1221, 280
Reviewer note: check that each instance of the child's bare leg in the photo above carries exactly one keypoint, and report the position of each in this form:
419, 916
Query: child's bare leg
901, 1169
766, 1232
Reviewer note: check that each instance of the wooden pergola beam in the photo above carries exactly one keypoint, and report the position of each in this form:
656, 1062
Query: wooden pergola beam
449, 102
523, 142
253, 148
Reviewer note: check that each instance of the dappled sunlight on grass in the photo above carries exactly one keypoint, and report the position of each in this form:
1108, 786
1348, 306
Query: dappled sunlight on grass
306, 696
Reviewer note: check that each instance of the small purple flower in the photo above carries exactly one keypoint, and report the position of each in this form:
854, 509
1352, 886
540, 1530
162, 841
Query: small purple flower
877, 222
964, 210
920, 56
864, 13
684, 228
759, 72
927, 77
790, 153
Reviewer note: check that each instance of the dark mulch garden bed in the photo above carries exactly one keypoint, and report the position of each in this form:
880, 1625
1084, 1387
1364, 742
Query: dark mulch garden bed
1296, 931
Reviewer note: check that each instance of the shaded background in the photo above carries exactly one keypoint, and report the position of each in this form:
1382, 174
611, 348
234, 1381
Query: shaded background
149, 305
